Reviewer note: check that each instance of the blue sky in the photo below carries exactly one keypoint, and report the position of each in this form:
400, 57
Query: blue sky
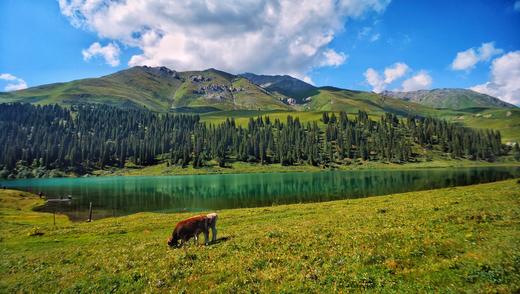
347, 45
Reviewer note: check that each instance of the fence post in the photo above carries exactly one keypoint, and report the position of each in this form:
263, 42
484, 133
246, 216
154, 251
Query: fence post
90, 212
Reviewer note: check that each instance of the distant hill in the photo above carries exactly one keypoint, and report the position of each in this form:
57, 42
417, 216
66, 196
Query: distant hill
284, 85
449, 98
156, 88
162, 89
216, 94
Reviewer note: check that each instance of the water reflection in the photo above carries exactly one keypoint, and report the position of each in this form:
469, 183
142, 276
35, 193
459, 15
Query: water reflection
115, 196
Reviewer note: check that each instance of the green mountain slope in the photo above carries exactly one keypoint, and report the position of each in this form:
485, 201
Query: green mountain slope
156, 88
335, 99
506, 120
449, 98
220, 94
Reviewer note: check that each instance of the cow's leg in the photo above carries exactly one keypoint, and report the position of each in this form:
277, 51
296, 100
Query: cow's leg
206, 236
196, 237
213, 233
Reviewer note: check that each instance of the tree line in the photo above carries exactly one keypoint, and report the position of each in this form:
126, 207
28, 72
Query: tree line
88, 137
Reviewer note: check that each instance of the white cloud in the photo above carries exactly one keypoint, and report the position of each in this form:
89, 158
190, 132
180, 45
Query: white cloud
390, 74
393, 73
466, 60
488, 50
374, 79
263, 36
109, 52
505, 78
14, 83
333, 58
7, 77
420, 81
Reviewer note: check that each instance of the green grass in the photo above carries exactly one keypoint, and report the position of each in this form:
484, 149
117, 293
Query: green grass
507, 121
162, 169
463, 239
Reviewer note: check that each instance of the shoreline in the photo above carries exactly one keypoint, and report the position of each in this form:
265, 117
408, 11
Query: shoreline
241, 168
161, 169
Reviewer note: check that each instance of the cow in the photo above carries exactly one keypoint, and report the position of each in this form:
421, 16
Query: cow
192, 227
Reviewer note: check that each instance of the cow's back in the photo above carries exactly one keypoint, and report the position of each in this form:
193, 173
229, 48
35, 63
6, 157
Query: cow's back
191, 225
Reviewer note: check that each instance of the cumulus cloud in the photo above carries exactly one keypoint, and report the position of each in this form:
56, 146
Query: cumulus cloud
420, 81
14, 83
374, 79
264, 36
390, 74
505, 78
466, 60
394, 72
110, 53
333, 58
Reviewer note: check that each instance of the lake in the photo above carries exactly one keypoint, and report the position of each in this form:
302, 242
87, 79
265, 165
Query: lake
116, 196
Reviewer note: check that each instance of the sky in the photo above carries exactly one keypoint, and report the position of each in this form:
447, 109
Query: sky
371, 45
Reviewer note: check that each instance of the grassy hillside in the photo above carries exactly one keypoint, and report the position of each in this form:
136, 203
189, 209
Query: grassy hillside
156, 88
449, 98
218, 95
507, 121
334, 99
463, 239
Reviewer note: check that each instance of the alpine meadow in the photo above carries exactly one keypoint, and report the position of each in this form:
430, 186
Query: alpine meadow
261, 146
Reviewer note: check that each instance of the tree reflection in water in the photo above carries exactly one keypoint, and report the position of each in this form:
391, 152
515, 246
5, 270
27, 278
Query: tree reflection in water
115, 196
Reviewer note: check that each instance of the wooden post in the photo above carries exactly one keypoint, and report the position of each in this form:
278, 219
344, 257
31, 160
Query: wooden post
90, 212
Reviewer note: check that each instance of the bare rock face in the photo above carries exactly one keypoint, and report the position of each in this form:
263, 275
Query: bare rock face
291, 101
199, 79
216, 91
163, 71
235, 90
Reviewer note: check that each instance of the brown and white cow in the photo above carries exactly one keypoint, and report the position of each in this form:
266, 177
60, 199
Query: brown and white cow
192, 227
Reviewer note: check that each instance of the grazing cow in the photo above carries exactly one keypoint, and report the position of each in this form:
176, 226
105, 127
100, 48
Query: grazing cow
192, 227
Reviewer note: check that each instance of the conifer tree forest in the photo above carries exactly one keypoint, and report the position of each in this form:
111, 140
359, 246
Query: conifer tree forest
88, 137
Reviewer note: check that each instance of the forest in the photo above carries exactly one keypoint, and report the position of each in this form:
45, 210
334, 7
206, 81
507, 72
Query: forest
90, 137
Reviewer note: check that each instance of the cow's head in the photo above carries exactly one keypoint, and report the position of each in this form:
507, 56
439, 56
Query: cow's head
173, 242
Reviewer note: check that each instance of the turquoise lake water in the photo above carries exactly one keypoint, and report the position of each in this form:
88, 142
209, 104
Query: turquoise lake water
116, 196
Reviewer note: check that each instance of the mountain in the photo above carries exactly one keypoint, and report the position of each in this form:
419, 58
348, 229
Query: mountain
162, 89
218, 94
285, 85
158, 89
449, 98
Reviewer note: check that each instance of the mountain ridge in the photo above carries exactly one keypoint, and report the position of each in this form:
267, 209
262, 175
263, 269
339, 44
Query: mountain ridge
452, 98
163, 89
